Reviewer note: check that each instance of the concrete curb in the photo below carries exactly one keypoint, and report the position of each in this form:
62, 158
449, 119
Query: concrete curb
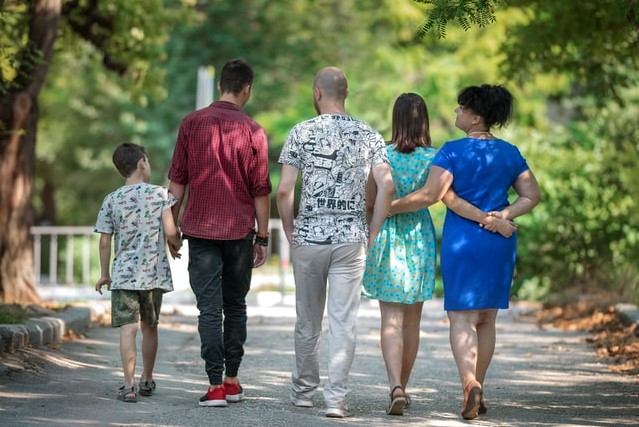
42, 331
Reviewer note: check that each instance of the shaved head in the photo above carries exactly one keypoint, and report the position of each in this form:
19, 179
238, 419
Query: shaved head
331, 81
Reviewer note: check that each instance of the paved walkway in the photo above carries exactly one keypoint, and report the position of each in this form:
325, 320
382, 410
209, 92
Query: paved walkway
539, 377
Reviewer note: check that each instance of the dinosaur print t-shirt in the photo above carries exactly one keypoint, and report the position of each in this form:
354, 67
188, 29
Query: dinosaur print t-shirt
133, 215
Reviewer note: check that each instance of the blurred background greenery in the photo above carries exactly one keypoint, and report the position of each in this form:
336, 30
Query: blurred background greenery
571, 65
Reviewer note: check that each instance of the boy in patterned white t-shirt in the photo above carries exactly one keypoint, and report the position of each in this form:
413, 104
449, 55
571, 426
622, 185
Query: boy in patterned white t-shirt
138, 215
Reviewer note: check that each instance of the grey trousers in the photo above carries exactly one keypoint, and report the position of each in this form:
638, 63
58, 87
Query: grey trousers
341, 267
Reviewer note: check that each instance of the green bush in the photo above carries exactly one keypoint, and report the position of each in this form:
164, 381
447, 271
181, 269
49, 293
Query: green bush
585, 232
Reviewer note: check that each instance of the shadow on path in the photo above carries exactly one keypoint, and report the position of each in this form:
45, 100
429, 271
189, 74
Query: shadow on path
539, 377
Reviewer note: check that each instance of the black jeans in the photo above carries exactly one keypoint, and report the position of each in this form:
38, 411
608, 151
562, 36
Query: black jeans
220, 276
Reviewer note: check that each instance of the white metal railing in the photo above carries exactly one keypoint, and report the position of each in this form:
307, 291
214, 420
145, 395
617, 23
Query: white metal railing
57, 248
54, 235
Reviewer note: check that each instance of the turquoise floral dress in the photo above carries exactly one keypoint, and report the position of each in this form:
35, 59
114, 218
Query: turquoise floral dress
400, 266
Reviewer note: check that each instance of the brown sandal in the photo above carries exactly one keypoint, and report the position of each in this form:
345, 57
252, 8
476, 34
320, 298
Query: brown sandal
397, 404
472, 400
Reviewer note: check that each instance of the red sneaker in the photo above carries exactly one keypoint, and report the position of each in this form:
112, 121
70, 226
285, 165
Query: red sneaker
234, 392
215, 397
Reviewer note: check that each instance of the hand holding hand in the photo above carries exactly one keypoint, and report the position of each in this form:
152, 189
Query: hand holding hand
260, 254
174, 248
496, 223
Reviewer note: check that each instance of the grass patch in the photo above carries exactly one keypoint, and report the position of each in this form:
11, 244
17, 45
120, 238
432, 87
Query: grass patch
12, 314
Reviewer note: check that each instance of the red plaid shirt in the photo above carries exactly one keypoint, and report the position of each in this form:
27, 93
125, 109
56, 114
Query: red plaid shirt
221, 155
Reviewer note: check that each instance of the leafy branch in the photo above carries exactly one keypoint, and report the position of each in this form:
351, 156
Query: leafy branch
464, 12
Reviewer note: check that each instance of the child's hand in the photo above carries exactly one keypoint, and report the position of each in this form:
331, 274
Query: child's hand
174, 248
103, 281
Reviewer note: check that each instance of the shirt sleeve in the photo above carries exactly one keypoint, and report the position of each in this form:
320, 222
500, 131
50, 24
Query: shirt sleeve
179, 171
380, 155
168, 198
443, 159
260, 178
104, 223
290, 151
520, 163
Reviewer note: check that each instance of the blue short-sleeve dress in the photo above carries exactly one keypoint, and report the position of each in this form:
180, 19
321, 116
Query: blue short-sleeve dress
400, 266
477, 265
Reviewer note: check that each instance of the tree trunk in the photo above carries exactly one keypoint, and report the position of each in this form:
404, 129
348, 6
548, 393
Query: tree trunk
18, 125
16, 181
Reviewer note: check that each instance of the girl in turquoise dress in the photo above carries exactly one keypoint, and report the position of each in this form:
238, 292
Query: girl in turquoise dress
400, 266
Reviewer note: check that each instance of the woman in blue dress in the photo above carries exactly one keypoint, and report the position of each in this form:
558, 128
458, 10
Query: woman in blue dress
477, 265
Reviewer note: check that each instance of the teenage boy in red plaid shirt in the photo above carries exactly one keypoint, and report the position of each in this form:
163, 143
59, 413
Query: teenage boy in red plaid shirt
221, 156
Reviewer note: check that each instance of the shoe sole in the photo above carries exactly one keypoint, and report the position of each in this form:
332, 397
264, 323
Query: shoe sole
218, 403
337, 414
234, 398
334, 415
301, 403
397, 406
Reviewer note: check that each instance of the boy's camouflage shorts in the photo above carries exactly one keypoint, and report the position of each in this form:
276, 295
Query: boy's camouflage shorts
130, 306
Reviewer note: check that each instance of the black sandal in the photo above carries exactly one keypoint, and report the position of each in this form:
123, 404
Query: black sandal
397, 404
127, 394
146, 388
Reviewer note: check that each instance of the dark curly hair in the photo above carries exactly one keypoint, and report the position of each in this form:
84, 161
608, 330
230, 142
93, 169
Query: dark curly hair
494, 103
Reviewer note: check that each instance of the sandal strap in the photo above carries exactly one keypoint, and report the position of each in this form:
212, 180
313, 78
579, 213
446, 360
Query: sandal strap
471, 384
147, 385
124, 391
398, 386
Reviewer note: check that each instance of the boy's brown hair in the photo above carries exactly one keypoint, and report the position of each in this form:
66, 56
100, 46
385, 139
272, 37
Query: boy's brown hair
126, 157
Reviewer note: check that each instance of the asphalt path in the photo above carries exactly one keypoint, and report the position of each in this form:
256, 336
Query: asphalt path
539, 377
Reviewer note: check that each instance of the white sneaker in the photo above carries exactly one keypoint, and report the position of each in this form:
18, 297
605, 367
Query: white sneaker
337, 413
301, 403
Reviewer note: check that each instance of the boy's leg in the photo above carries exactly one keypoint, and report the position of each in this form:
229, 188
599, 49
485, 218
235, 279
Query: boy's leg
128, 352
149, 351
150, 306
125, 315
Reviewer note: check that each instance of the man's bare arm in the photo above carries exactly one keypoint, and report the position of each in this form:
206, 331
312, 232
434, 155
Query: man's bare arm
286, 199
385, 190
